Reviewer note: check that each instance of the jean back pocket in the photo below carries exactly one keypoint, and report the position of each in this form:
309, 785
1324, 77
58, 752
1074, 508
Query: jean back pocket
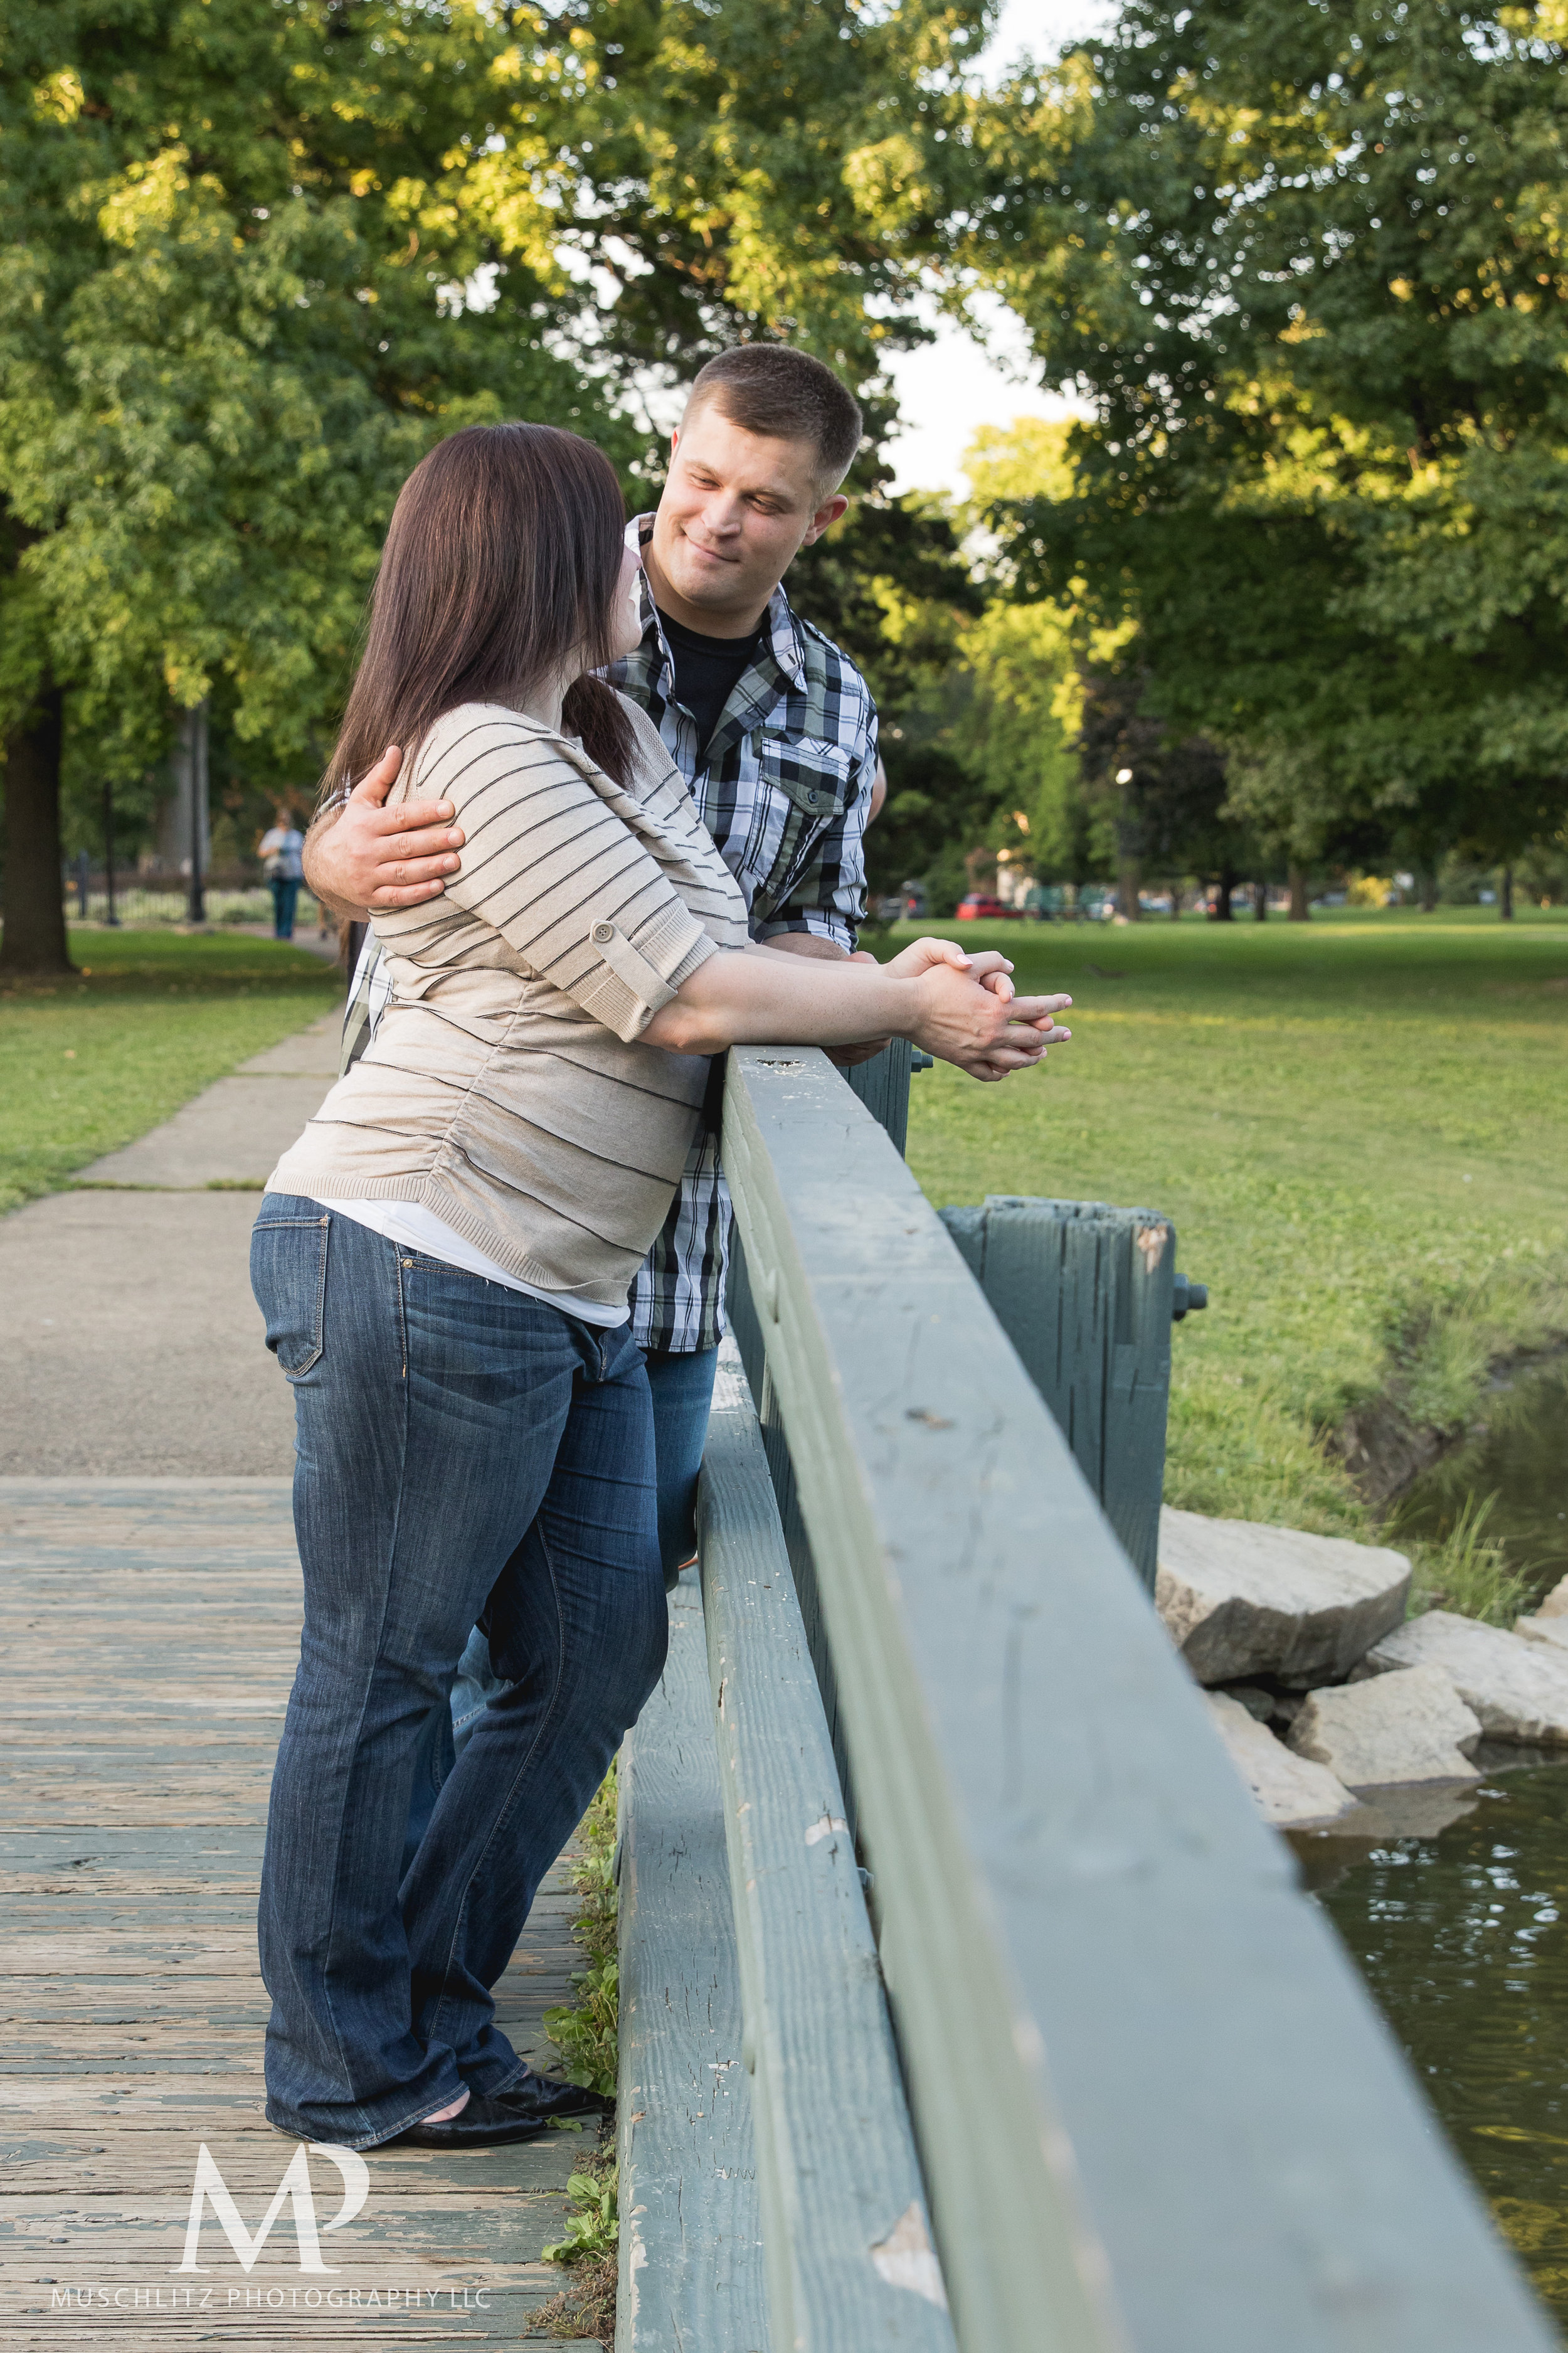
288, 1277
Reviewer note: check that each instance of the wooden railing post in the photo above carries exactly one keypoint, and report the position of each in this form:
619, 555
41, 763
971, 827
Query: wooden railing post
1084, 1292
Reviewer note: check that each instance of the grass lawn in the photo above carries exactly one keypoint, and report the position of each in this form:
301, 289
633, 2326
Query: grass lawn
87, 1062
1360, 1127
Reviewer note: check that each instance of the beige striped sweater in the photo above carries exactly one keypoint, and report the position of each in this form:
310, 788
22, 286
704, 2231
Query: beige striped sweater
507, 1088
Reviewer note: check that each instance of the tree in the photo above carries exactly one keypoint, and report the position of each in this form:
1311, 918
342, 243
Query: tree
231, 235
890, 585
752, 170
1020, 741
259, 258
1306, 264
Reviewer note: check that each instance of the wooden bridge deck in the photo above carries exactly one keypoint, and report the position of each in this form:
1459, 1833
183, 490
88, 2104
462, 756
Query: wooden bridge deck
150, 1631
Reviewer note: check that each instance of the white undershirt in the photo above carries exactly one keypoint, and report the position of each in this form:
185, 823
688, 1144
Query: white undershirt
420, 1228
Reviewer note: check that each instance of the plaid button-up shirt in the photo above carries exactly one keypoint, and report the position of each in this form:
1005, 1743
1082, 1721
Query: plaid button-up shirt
784, 787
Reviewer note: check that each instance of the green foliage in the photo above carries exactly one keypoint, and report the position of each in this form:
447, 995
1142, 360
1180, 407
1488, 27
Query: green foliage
1307, 263
585, 2030
1020, 742
1019, 731
1464, 1571
593, 2221
753, 171
256, 259
1448, 1323
586, 2306
232, 317
890, 585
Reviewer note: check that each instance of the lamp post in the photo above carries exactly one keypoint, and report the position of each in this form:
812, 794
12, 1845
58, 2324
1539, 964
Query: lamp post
1129, 846
109, 915
196, 728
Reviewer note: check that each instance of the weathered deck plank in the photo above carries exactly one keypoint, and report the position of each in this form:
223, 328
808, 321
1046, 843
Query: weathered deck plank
838, 2176
691, 2276
151, 1630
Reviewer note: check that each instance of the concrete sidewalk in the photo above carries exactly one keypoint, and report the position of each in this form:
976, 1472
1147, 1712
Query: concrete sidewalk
130, 1344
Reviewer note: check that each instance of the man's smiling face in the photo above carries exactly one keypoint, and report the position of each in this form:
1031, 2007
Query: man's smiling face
735, 510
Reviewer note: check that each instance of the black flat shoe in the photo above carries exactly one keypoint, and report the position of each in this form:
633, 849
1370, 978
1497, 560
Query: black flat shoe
483, 2123
545, 2096
524, 2111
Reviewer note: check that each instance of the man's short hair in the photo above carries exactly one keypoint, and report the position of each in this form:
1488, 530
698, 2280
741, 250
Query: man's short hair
783, 394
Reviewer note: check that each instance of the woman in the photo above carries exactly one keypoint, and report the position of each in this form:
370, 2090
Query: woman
443, 1261
281, 852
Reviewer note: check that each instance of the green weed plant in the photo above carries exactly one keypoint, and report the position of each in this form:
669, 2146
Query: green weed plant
593, 2221
1465, 1571
585, 2030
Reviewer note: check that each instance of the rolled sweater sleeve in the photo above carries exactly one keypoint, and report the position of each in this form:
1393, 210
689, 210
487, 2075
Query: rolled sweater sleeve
557, 859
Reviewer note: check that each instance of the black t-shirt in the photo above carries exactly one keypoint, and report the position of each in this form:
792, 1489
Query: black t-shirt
706, 669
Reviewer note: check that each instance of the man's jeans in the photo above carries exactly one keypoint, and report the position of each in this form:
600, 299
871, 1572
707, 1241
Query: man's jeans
682, 1389
461, 1449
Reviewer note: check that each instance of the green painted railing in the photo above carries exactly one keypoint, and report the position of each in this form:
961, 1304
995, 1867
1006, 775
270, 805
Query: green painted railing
1152, 2106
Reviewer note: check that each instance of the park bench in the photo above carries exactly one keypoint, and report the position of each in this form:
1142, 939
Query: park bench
964, 2000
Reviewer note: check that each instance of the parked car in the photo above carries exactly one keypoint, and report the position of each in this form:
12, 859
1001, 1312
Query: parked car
977, 904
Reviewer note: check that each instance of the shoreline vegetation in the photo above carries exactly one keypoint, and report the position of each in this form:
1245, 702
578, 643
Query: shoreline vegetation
1358, 1127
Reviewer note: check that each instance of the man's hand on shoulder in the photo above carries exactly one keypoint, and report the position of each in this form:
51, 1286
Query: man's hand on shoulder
364, 855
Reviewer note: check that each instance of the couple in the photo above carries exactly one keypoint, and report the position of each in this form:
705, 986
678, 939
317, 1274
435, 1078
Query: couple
469, 1264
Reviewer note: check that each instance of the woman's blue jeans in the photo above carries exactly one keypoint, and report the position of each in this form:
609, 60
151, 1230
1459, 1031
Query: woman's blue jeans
461, 1449
285, 898
682, 1388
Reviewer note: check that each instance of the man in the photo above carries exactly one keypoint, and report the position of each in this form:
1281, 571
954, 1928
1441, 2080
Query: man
775, 733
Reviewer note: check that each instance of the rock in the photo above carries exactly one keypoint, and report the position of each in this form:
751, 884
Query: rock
1556, 1602
1519, 1688
1258, 1703
1289, 1792
1406, 1727
1419, 1809
1242, 1600
1543, 1629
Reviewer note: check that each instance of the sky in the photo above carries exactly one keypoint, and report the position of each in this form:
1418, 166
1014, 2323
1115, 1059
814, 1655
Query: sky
952, 384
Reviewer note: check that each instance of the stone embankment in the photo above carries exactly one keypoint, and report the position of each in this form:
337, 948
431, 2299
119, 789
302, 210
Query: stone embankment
1324, 1694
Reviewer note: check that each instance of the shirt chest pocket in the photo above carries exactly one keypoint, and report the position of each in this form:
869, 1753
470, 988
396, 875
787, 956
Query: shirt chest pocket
803, 787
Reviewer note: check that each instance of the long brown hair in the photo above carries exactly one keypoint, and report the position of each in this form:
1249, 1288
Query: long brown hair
500, 566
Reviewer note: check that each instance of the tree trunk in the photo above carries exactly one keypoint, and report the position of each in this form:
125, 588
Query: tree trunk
1299, 911
1176, 902
34, 940
1505, 896
1260, 901
1128, 882
1222, 901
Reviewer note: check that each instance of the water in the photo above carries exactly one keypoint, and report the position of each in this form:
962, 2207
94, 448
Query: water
1456, 1907
1521, 1458
1463, 1940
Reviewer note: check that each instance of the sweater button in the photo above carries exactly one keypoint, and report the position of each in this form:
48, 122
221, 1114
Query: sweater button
603, 932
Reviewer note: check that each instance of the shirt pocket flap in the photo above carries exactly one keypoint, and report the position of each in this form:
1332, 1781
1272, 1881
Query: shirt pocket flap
812, 772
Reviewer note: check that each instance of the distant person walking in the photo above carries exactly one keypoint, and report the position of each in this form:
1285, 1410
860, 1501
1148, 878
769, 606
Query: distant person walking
282, 850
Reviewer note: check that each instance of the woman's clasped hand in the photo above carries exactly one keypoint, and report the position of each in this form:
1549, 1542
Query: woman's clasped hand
982, 1025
